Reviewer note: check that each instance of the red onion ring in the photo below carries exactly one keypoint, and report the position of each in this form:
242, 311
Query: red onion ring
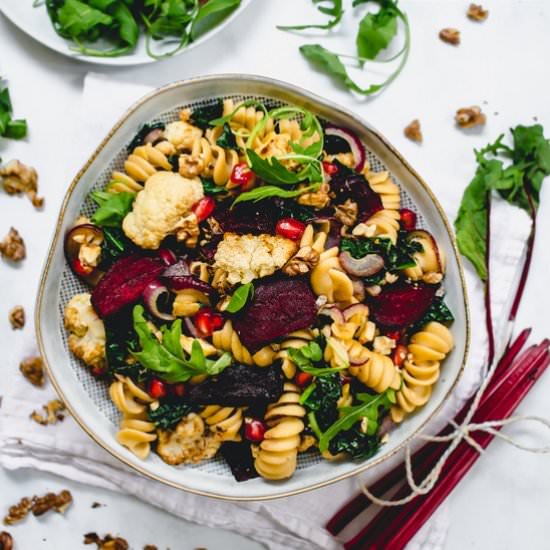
355, 144
151, 295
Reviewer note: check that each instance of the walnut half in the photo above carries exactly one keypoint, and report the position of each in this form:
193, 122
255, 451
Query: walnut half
17, 318
477, 13
6, 541
13, 246
413, 131
108, 542
32, 368
302, 262
346, 213
467, 117
450, 36
18, 178
54, 413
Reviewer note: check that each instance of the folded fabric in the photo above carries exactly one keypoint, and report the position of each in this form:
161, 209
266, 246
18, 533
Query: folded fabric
294, 522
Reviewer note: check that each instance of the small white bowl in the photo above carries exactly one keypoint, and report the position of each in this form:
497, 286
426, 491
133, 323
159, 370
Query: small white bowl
87, 398
35, 22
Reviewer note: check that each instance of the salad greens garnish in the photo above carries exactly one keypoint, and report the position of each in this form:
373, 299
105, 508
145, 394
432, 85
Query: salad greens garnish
376, 32
518, 182
438, 311
266, 191
9, 127
210, 188
115, 245
120, 22
201, 116
307, 356
227, 138
332, 8
167, 357
240, 297
113, 207
167, 415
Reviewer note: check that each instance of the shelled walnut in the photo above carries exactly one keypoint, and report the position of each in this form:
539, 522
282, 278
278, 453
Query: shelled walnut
17, 178
54, 413
467, 117
32, 368
13, 246
108, 542
6, 541
477, 13
413, 131
317, 199
302, 262
17, 317
38, 506
346, 212
450, 36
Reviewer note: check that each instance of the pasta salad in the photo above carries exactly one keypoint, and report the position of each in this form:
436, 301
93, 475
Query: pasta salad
256, 290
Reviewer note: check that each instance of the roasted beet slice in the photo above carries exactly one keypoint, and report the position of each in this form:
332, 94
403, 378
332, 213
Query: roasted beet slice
239, 457
401, 304
279, 307
124, 283
250, 217
239, 386
346, 185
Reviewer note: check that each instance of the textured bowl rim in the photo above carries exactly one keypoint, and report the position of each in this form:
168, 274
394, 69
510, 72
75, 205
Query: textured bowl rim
250, 79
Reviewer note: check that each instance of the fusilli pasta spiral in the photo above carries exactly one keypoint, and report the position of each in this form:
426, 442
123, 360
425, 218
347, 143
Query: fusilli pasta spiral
227, 339
382, 184
330, 280
375, 370
277, 453
427, 348
430, 261
294, 340
224, 422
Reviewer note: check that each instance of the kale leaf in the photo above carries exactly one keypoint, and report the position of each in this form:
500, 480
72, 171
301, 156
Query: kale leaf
227, 138
201, 116
115, 245
142, 132
438, 311
320, 398
167, 415
355, 443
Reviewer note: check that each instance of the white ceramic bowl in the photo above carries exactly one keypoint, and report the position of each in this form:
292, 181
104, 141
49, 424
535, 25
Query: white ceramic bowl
35, 22
87, 397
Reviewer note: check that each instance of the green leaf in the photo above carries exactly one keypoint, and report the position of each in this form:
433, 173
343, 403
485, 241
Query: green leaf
240, 297
376, 31
167, 415
438, 311
201, 116
113, 208
210, 188
76, 19
334, 9
212, 14
271, 170
266, 191
16, 129
307, 355
227, 139
9, 128
371, 408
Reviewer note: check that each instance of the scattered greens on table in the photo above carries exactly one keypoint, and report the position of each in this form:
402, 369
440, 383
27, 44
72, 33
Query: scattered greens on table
9, 127
376, 32
111, 28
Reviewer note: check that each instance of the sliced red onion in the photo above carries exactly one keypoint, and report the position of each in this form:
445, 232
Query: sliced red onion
333, 312
352, 310
179, 269
422, 234
357, 148
153, 291
361, 267
191, 327
188, 281
167, 256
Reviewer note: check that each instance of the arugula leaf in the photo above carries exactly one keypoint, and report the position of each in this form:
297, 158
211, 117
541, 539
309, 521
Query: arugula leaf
240, 297
113, 207
376, 31
212, 14
371, 408
271, 170
266, 191
167, 415
10, 128
227, 139
334, 9
307, 355
167, 358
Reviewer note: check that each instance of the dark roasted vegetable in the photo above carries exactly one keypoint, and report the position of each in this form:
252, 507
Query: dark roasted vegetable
239, 457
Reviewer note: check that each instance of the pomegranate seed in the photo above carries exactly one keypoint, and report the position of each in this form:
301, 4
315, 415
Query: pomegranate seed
156, 388
81, 269
177, 390
394, 335
290, 228
208, 321
303, 379
242, 175
330, 168
204, 208
408, 219
399, 355
345, 379
254, 429
98, 372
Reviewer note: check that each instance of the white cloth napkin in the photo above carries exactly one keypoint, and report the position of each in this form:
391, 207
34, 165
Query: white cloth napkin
295, 522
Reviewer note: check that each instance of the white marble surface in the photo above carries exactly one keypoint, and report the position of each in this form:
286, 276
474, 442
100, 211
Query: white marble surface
501, 64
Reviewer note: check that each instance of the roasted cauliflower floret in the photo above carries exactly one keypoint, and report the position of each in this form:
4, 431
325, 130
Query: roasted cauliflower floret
182, 135
187, 443
248, 257
87, 338
160, 209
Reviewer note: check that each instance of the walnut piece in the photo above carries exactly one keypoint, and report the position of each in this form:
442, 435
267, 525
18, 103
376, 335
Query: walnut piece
346, 212
18, 178
13, 246
18, 512
38, 506
108, 542
17, 318
189, 166
32, 368
413, 131
6, 541
450, 36
150, 547
302, 262
477, 13
54, 413
317, 199
467, 117
188, 230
